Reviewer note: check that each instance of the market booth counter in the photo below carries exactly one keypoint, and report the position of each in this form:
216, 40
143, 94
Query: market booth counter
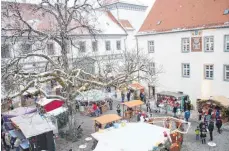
172, 99
37, 132
133, 107
105, 119
220, 102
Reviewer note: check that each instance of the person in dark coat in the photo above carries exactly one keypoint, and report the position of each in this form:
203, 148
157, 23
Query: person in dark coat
218, 124
189, 106
118, 109
142, 97
111, 104
200, 111
203, 135
148, 106
211, 128
128, 95
175, 110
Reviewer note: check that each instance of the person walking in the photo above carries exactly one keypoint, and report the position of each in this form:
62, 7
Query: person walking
142, 97
17, 144
187, 115
122, 96
118, 109
211, 128
111, 104
197, 131
200, 114
219, 124
174, 111
148, 106
128, 95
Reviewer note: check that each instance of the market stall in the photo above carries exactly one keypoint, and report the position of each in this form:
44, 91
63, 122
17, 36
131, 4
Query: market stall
50, 104
17, 111
136, 88
100, 122
132, 108
168, 100
87, 98
215, 102
37, 131
133, 137
59, 116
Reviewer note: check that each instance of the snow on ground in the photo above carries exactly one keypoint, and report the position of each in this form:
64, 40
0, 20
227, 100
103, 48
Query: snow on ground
189, 144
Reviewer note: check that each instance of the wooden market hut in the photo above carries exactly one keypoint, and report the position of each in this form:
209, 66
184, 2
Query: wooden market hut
131, 104
105, 119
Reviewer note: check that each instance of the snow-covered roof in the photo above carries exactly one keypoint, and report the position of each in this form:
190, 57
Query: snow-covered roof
57, 111
103, 21
45, 101
93, 95
20, 111
124, 138
33, 124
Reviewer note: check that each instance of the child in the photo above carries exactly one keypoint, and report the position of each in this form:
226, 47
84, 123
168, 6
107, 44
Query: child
203, 135
197, 131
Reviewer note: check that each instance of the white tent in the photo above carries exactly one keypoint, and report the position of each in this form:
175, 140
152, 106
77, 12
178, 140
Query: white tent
132, 137
93, 95
33, 124
57, 111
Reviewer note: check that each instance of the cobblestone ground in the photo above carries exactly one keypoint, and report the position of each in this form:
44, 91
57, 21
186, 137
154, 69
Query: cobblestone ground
189, 144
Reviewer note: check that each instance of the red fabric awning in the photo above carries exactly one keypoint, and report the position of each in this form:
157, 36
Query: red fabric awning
53, 105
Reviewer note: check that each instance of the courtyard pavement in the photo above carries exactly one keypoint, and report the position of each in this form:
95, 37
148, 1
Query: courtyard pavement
189, 143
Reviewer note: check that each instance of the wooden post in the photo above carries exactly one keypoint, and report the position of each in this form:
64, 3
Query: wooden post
95, 125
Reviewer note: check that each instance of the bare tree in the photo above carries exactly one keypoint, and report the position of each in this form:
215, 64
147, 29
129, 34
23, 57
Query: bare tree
63, 20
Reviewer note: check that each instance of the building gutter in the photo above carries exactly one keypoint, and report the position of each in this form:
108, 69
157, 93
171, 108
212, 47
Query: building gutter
178, 30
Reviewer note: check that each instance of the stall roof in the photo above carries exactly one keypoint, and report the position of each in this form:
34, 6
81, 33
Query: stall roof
20, 111
221, 99
57, 111
169, 93
124, 138
107, 118
46, 101
33, 124
133, 103
136, 86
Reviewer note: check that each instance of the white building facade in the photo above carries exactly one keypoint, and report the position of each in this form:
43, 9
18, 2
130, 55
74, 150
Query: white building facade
195, 60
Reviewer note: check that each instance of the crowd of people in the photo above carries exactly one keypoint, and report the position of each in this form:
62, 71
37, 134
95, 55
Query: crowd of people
207, 123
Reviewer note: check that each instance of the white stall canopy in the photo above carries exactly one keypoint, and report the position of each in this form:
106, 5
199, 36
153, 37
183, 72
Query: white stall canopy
33, 124
131, 137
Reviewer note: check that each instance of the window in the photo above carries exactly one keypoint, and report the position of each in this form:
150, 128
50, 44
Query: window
118, 45
209, 44
26, 48
185, 45
108, 68
186, 70
152, 70
209, 71
151, 46
82, 46
226, 43
94, 46
50, 49
108, 45
5, 51
226, 72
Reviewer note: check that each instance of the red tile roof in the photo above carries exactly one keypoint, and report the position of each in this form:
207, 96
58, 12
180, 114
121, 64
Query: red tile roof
166, 15
125, 24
